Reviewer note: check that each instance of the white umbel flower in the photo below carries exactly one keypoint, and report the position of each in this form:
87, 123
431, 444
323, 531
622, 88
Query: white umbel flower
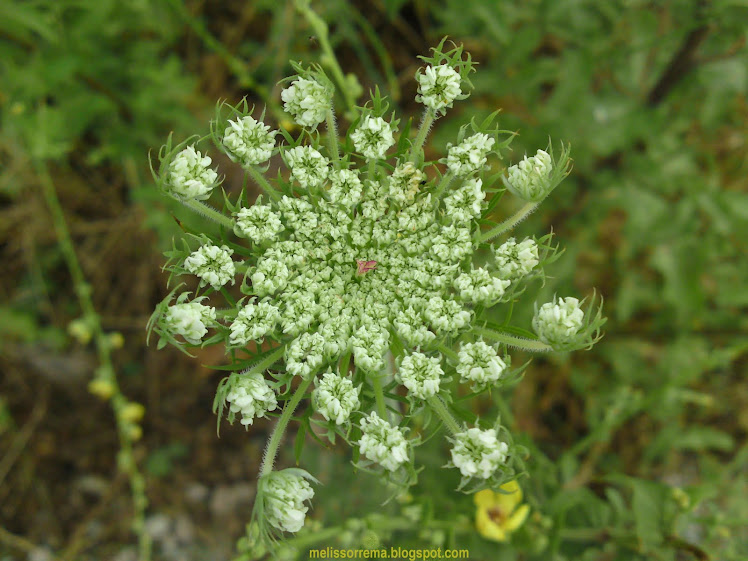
558, 322
212, 264
308, 166
335, 398
438, 87
308, 101
470, 155
190, 320
446, 316
465, 204
369, 344
189, 176
258, 223
480, 287
382, 443
373, 137
252, 397
270, 276
410, 326
254, 321
479, 363
479, 453
284, 495
421, 375
530, 179
405, 183
515, 260
249, 142
452, 244
345, 187
305, 354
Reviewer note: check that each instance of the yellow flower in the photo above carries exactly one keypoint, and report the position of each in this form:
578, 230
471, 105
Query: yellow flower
497, 515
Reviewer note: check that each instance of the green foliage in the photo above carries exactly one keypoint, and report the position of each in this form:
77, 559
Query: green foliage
655, 213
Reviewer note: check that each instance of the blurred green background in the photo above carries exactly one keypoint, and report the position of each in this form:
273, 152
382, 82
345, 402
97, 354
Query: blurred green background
639, 446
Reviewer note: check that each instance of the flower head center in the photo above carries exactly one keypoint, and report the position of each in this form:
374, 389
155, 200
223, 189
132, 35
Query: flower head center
365, 266
497, 515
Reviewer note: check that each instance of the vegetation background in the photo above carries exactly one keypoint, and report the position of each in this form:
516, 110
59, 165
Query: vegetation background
639, 446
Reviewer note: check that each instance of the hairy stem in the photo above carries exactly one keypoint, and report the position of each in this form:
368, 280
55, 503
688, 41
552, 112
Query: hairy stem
271, 450
423, 131
514, 341
438, 407
443, 184
328, 55
210, 213
264, 184
332, 138
509, 223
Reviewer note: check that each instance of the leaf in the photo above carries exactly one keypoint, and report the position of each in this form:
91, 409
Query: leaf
648, 506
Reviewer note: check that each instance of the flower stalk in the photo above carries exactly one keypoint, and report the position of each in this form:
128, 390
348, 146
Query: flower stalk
271, 450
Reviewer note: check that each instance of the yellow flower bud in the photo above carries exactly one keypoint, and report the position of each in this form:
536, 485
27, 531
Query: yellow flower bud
101, 388
116, 340
133, 412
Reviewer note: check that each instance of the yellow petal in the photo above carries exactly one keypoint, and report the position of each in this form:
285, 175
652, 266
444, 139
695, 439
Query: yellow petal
488, 528
508, 502
517, 518
484, 498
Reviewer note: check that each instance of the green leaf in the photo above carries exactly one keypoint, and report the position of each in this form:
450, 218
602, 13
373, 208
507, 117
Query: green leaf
648, 504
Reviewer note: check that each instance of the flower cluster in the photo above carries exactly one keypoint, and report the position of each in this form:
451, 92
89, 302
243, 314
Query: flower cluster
249, 142
530, 179
308, 101
470, 155
373, 137
438, 87
515, 260
212, 264
189, 176
558, 322
478, 453
335, 398
189, 319
382, 443
283, 496
251, 396
480, 364
258, 223
253, 322
421, 375
361, 266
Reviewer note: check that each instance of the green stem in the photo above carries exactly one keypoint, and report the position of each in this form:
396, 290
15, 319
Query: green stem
229, 298
271, 450
371, 169
438, 406
210, 213
514, 341
264, 184
106, 373
268, 361
423, 131
509, 223
328, 55
443, 184
332, 138
447, 352
376, 382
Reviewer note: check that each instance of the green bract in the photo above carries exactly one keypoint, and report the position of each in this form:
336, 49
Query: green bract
359, 259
